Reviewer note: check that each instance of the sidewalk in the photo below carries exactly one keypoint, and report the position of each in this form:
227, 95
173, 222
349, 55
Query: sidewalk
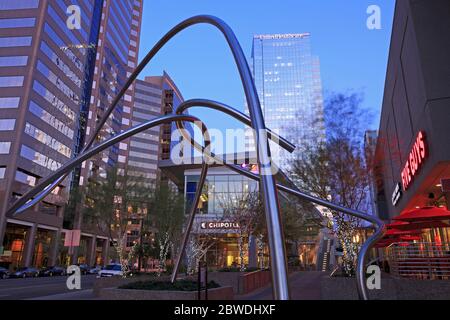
76, 295
303, 285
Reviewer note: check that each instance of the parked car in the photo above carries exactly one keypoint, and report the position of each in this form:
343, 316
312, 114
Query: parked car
111, 270
4, 273
95, 270
52, 271
84, 268
25, 273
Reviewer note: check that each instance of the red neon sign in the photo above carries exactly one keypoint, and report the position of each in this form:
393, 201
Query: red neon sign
415, 160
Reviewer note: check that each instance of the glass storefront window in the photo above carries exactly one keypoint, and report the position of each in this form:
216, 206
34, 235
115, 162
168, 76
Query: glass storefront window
221, 184
13, 243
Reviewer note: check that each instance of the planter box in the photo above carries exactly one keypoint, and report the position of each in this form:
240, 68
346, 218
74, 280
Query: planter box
252, 281
223, 293
114, 282
241, 282
391, 289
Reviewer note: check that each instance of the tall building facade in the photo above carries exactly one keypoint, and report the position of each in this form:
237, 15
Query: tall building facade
287, 77
116, 59
412, 158
55, 57
153, 97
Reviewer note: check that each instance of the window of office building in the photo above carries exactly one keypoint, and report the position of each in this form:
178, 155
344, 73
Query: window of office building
21, 4
7, 82
48, 140
26, 178
13, 61
7, 124
219, 192
6, 42
2, 172
17, 23
50, 119
39, 158
5, 147
9, 103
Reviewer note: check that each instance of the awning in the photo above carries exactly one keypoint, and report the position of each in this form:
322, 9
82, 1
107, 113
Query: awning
396, 232
403, 225
425, 214
387, 243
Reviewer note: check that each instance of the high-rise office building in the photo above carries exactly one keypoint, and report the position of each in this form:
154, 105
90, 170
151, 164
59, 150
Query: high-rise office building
287, 77
153, 97
116, 59
55, 57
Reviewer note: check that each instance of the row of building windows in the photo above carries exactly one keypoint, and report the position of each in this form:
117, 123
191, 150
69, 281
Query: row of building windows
17, 23
48, 140
13, 61
40, 159
6, 42
51, 120
63, 26
17, 5
61, 44
60, 64
5, 147
141, 155
46, 72
7, 124
9, 102
9, 82
53, 100
26, 178
145, 146
143, 165
84, 17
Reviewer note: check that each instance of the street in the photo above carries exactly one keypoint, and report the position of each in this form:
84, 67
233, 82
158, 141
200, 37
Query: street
48, 288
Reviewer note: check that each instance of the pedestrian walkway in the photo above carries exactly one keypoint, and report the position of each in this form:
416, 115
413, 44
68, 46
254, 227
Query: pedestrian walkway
75, 295
303, 285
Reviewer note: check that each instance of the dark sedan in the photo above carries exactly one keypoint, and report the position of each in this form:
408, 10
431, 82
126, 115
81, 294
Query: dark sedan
4, 273
25, 273
84, 268
52, 271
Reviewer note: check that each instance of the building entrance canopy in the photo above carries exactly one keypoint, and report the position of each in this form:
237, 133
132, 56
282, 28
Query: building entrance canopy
425, 214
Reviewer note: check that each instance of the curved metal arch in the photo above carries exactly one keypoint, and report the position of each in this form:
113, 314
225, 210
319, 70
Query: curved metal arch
268, 187
378, 224
267, 182
26, 202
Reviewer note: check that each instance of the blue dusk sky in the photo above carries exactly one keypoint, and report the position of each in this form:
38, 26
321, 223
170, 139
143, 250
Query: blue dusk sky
199, 61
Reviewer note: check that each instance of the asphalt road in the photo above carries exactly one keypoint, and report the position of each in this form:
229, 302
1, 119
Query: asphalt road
35, 288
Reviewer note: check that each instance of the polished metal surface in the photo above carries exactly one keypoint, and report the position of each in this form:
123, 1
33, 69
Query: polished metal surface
268, 187
190, 222
26, 202
377, 223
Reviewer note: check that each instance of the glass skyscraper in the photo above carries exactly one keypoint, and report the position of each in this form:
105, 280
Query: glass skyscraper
287, 77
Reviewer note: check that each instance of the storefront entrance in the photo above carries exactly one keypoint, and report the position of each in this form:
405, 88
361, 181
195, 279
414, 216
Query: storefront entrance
14, 246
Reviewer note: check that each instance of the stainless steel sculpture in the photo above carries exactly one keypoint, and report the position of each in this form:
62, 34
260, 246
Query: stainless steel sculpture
268, 187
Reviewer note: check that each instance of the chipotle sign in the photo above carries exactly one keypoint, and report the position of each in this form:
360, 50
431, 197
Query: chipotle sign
415, 161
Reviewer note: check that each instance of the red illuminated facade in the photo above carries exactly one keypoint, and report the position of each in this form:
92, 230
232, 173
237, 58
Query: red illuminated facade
412, 157
415, 160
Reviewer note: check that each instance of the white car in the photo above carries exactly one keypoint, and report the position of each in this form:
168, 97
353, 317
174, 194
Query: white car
95, 270
111, 270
